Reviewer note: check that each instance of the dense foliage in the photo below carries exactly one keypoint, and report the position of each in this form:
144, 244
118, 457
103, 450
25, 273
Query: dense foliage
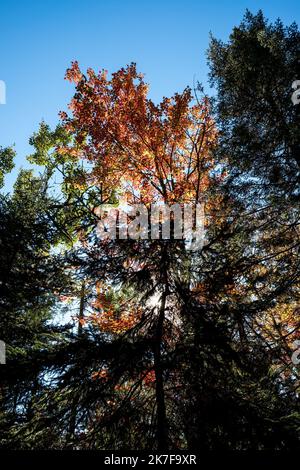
144, 343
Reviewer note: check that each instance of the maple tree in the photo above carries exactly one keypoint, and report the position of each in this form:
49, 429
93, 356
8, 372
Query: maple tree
148, 152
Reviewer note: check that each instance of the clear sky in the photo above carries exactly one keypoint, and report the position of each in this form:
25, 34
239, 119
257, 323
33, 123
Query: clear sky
167, 39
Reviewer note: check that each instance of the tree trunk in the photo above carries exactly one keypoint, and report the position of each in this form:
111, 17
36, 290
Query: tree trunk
162, 425
81, 308
162, 433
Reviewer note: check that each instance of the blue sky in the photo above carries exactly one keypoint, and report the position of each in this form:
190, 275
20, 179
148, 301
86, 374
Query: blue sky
167, 39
